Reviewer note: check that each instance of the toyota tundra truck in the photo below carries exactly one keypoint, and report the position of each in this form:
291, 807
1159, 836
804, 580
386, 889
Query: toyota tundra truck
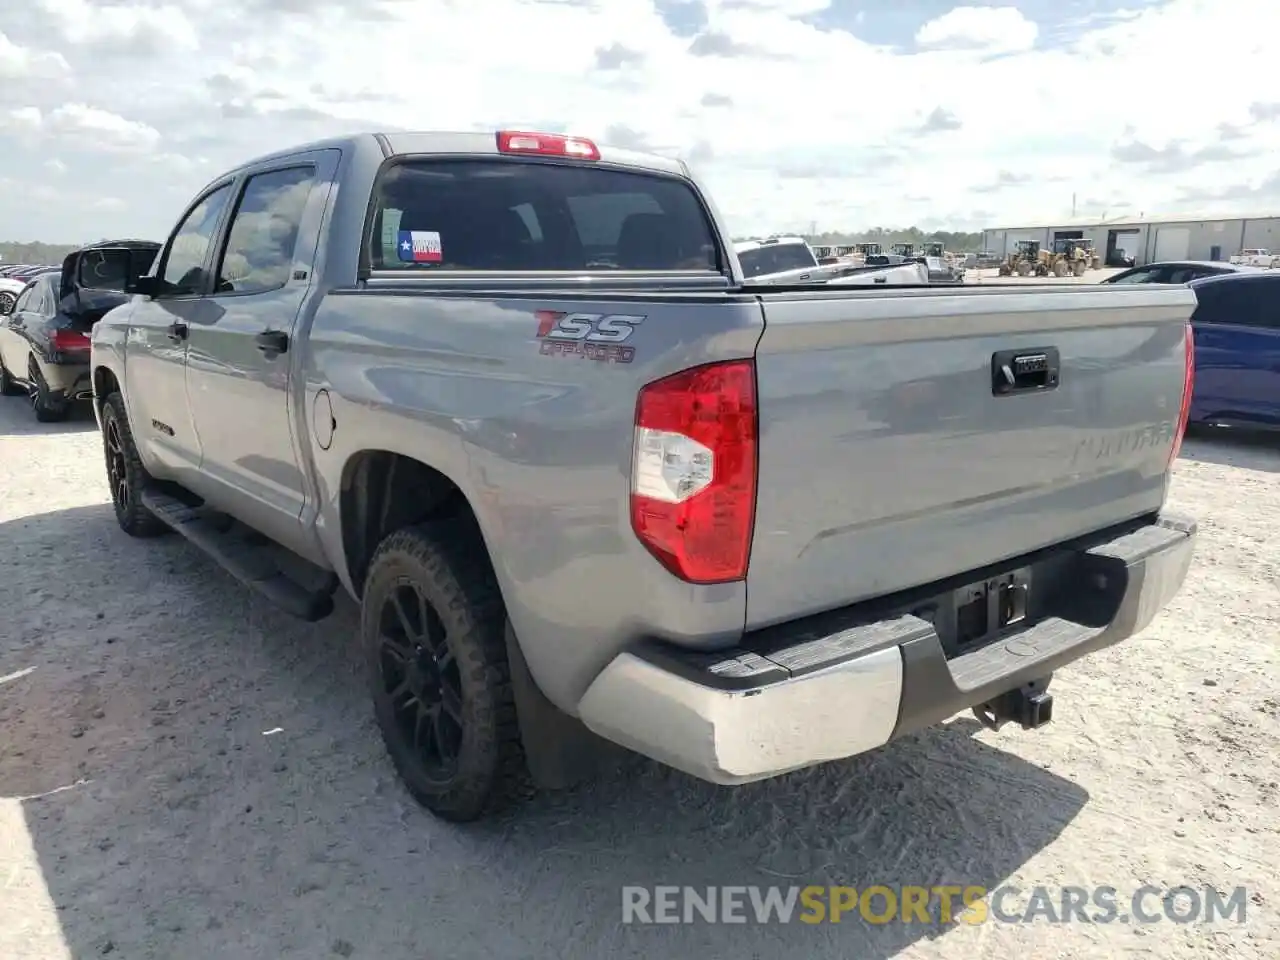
596, 492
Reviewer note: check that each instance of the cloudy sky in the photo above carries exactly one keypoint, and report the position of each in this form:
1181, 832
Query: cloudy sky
843, 113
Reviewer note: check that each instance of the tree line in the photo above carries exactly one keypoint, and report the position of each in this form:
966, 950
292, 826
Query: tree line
12, 252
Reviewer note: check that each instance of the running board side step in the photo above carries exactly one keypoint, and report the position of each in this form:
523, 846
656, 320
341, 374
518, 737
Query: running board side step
251, 564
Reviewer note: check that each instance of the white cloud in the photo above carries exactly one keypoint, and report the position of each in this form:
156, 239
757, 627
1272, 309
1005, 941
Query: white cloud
21, 63
24, 118
989, 116
102, 130
989, 29
127, 29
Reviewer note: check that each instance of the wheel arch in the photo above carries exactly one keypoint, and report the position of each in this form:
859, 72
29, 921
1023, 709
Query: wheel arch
381, 491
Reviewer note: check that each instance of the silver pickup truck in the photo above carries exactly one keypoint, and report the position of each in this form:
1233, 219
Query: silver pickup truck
592, 489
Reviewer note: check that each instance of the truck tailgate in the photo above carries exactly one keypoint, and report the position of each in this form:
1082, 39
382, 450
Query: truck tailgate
890, 458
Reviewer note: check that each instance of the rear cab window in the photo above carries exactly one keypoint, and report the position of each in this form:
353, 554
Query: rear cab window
504, 215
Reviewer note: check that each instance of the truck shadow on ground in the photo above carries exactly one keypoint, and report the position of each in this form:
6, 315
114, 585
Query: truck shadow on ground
1251, 449
199, 776
17, 420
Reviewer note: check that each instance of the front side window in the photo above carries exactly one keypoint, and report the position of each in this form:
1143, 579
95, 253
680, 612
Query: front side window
495, 215
184, 271
264, 232
1138, 276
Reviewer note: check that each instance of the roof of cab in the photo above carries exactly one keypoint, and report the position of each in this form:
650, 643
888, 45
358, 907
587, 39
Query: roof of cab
474, 142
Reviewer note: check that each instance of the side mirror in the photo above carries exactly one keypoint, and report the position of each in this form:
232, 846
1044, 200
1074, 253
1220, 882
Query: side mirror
147, 286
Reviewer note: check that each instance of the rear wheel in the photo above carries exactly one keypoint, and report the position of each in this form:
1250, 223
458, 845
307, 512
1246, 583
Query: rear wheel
7, 386
47, 407
1060, 269
126, 475
1079, 268
433, 632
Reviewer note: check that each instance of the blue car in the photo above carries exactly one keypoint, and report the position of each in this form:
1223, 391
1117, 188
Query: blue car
1237, 338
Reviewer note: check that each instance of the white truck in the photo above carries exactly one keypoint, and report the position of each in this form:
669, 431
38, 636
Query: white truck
790, 260
1255, 257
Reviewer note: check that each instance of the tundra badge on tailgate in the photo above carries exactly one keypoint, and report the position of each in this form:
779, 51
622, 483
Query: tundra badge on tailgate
595, 336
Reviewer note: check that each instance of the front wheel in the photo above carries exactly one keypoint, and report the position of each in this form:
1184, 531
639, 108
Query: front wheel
126, 475
433, 632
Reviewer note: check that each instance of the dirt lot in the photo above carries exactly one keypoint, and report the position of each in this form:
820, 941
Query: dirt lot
185, 773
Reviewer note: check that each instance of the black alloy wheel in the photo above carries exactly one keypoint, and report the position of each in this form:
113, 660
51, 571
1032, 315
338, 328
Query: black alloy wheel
420, 678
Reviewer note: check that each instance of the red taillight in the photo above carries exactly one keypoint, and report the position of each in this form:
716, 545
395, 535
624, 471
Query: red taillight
1188, 383
547, 145
693, 471
70, 340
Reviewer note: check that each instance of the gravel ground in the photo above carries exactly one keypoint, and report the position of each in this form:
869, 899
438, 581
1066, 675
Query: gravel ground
186, 773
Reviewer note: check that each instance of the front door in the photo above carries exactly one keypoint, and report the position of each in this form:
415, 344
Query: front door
156, 394
242, 356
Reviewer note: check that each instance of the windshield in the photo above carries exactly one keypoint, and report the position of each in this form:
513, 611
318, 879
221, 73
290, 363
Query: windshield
775, 258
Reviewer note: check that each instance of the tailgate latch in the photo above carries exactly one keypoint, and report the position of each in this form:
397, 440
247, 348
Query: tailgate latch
1024, 371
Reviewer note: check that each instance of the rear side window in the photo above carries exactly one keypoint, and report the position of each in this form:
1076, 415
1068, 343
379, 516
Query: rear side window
775, 258
258, 255
1242, 301
495, 215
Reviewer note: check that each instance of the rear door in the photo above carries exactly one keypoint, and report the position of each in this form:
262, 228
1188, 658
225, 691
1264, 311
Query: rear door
17, 341
13, 349
1237, 332
891, 457
240, 347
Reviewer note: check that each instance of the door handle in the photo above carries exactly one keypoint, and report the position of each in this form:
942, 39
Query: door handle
272, 341
178, 330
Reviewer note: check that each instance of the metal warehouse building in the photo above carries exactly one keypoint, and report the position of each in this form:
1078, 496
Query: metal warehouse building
1152, 238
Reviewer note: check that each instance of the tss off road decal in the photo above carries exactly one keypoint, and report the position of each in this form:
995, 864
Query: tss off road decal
594, 336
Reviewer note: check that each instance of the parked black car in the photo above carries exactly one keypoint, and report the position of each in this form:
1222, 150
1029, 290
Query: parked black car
1177, 271
44, 339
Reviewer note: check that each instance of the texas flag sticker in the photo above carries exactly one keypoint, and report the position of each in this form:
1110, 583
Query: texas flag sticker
420, 246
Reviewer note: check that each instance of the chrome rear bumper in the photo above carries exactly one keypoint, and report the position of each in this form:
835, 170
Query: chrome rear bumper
837, 685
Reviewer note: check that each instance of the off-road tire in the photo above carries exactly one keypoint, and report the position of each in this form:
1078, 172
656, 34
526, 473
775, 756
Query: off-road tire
7, 387
445, 562
134, 519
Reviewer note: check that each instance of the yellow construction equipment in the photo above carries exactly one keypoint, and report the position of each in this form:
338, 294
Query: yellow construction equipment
1071, 257
1023, 261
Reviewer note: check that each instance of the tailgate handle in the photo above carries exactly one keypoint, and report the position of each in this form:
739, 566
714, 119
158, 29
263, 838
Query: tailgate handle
1024, 371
